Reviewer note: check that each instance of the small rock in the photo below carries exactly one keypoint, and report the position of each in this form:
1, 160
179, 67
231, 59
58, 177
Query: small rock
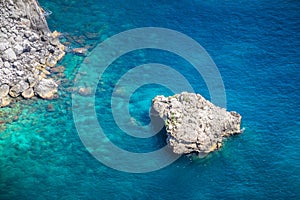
59, 69
6, 64
25, 22
45, 38
27, 48
33, 37
55, 34
51, 61
80, 51
18, 49
15, 118
43, 70
85, 91
54, 41
20, 73
60, 53
19, 39
27, 34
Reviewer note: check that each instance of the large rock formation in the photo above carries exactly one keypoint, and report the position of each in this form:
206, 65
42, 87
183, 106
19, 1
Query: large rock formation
27, 51
193, 124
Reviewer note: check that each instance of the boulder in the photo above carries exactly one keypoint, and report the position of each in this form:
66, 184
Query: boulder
60, 52
28, 93
4, 89
193, 124
51, 61
9, 55
46, 88
4, 45
32, 81
17, 89
6, 64
5, 101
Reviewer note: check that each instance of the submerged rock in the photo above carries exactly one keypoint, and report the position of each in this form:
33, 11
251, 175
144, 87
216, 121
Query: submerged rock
59, 69
85, 91
50, 108
80, 51
193, 124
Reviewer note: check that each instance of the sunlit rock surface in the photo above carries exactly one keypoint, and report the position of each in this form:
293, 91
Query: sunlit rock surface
193, 124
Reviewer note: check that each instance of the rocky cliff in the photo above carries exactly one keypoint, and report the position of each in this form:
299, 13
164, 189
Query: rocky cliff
28, 50
193, 124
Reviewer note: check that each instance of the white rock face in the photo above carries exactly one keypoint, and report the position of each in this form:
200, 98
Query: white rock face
25, 44
193, 124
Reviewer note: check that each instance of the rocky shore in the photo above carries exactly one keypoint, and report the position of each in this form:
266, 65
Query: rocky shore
28, 51
193, 124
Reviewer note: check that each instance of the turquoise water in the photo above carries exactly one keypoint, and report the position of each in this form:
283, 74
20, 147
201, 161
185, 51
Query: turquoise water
255, 45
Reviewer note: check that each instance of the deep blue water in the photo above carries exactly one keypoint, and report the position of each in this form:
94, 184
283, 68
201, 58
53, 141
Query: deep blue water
255, 45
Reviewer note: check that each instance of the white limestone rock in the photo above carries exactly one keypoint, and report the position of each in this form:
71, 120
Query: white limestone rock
9, 55
4, 45
25, 45
193, 124
4, 89
46, 88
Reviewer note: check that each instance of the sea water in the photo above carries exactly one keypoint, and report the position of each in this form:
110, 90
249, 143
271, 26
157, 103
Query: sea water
255, 45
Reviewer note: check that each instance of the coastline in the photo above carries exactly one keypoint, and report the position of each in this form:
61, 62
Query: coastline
29, 52
42, 156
